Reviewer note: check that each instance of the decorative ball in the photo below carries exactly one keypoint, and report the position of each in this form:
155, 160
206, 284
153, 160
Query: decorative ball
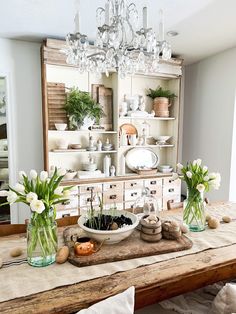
114, 226
226, 219
184, 228
62, 255
213, 223
208, 217
16, 252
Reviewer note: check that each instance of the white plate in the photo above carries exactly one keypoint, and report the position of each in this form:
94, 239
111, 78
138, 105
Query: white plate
141, 158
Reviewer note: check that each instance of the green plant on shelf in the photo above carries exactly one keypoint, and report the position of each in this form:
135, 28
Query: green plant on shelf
79, 105
160, 92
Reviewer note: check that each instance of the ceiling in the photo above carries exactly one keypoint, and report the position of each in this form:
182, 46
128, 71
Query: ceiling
205, 27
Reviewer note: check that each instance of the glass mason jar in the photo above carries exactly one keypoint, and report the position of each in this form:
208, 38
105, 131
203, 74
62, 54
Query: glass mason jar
42, 240
194, 210
146, 204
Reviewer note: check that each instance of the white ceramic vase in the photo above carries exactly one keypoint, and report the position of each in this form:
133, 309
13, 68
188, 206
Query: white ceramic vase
87, 123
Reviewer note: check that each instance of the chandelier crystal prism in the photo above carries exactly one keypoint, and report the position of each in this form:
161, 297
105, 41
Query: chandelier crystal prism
119, 44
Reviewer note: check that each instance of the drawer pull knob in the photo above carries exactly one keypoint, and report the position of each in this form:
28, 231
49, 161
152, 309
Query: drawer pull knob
153, 182
65, 215
132, 184
153, 192
112, 186
133, 194
113, 197
171, 190
90, 188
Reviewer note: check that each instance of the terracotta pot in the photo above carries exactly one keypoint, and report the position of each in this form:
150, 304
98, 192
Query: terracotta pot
161, 106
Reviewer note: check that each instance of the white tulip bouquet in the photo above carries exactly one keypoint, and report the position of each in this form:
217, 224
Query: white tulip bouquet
41, 194
198, 180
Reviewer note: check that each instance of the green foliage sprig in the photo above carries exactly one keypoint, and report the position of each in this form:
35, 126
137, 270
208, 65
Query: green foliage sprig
160, 92
80, 104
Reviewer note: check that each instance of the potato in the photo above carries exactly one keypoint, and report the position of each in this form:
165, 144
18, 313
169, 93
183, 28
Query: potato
62, 254
17, 251
226, 219
213, 223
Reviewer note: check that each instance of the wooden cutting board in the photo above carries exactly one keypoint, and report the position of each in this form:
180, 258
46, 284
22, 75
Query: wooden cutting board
104, 96
132, 247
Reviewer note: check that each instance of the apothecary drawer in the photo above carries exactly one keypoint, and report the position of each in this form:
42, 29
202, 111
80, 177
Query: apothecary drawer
156, 191
153, 183
168, 182
129, 206
132, 195
134, 184
171, 188
85, 199
84, 209
69, 204
112, 197
119, 206
113, 186
88, 188
67, 213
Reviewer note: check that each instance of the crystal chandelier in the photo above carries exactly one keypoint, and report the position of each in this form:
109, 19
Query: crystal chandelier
119, 43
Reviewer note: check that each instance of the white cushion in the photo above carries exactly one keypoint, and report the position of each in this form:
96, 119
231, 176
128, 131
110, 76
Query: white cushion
225, 301
122, 303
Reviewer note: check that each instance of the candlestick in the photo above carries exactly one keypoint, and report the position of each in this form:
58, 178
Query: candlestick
145, 17
161, 26
76, 20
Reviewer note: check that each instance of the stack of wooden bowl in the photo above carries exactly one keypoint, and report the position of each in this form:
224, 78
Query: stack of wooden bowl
150, 228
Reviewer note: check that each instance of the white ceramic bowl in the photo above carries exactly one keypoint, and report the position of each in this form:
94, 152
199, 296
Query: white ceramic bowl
166, 170
89, 167
163, 138
164, 167
110, 236
60, 126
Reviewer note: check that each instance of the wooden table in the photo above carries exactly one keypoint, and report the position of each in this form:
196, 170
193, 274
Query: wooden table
153, 283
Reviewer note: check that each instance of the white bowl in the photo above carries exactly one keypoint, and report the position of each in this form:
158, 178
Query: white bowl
89, 167
166, 170
162, 139
164, 166
110, 236
60, 126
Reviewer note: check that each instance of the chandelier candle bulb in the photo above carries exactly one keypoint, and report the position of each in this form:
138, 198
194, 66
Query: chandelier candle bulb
145, 17
161, 26
76, 20
107, 11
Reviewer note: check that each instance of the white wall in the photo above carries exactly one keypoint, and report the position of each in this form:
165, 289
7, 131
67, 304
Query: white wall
20, 61
209, 113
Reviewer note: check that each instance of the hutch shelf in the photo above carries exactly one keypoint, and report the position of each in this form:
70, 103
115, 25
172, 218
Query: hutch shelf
121, 190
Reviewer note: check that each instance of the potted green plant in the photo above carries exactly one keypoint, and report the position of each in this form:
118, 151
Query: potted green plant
161, 100
109, 226
82, 110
